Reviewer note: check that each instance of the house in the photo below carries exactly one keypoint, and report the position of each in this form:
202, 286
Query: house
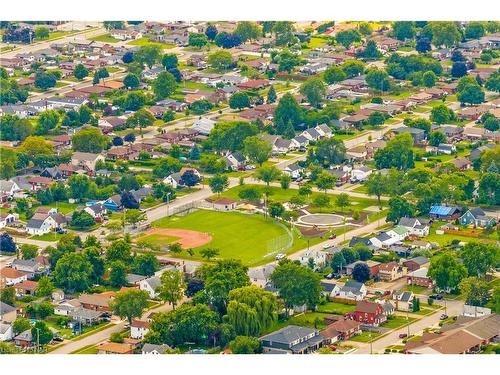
299, 142
294, 170
126, 34
6, 331
293, 340
113, 203
419, 277
85, 316
115, 348
149, 285
176, 179
98, 302
261, 276
155, 349
138, 329
391, 271
360, 173
8, 189
329, 290
7, 218
8, 313
40, 182
42, 223
414, 264
369, 313
342, 175
352, 290
404, 300
447, 149
478, 218
65, 307
447, 213
462, 164
475, 311
10, 276
383, 240
223, 204
86, 160
414, 226
341, 330
355, 240
97, 211
26, 287
418, 135
399, 233
235, 161
203, 125
24, 339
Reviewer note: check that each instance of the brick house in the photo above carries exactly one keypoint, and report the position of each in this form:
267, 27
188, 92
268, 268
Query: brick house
370, 313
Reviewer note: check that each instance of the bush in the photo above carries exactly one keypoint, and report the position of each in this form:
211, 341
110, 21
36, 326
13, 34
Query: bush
116, 337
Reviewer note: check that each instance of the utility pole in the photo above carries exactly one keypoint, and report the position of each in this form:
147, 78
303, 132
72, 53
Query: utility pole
408, 324
37, 340
168, 201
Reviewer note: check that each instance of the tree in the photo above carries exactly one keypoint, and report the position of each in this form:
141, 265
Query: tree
172, 287
29, 251
248, 30
131, 81
45, 81
361, 272
145, 264
119, 250
376, 185
93, 255
251, 310
347, 37
130, 138
220, 60
41, 33
378, 80
342, 201
20, 325
398, 208
80, 72
239, 100
79, 186
268, 174
134, 216
444, 33
287, 110
446, 271
397, 153
34, 146
130, 304
45, 287
474, 30
403, 30
128, 57
8, 296
325, 181
370, 52
491, 124
7, 244
338, 261
188, 323
471, 94
73, 272
169, 61
476, 291
209, 253
41, 333
283, 32
82, 220
271, 95
166, 166
334, 74
89, 140
480, 258
489, 189
376, 118
148, 55
493, 82
276, 209
118, 274
211, 32
458, 69
423, 45
496, 299
164, 85
256, 149
230, 135
220, 278
227, 40
285, 181
436, 138
190, 178
441, 114
314, 90
47, 120
197, 40
329, 151
429, 78
297, 285
245, 345
218, 183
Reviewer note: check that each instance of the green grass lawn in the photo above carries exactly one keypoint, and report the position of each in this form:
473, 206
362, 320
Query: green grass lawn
236, 235
50, 237
146, 42
366, 337
308, 319
105, 38
316, 42
63, 207
397, 321
336, 308
89, 349
446, 238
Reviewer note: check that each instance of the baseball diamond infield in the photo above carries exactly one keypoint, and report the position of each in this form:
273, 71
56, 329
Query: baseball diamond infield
185, 237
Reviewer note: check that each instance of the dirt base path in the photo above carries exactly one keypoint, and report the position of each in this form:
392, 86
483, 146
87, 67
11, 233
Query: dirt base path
187, 238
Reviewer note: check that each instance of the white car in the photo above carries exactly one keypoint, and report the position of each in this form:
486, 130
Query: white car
280, 256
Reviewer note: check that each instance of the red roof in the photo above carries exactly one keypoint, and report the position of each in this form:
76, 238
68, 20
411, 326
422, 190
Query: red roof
255, 84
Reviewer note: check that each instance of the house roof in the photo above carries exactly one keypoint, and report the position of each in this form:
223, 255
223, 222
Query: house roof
288, 334
419, 260
368, 307
115, 347
421, 272
442, 210
352, 286
139, 324
11, 273
149, 348
5, 308
95, 299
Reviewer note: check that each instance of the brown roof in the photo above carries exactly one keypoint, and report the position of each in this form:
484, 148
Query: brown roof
343, 325
224, 201
140, 323
115, 347
368, 307
27, 285
456, 343
11, 273
388, 266
40, 180
95, 299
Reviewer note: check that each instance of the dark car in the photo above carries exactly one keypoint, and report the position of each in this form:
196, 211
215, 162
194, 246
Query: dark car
437, 297
329, 276
337, 276
332, 237
443, 317
58, 339
403, 335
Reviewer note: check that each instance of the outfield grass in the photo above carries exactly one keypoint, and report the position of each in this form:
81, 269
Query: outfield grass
236, 235
146, 42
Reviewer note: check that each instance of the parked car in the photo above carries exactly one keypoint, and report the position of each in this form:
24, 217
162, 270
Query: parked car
332, 236
329, 276
403, 335
437, 297
443, 317
280, 256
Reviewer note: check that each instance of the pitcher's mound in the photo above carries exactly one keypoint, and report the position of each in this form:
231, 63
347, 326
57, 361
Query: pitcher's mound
186, 238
